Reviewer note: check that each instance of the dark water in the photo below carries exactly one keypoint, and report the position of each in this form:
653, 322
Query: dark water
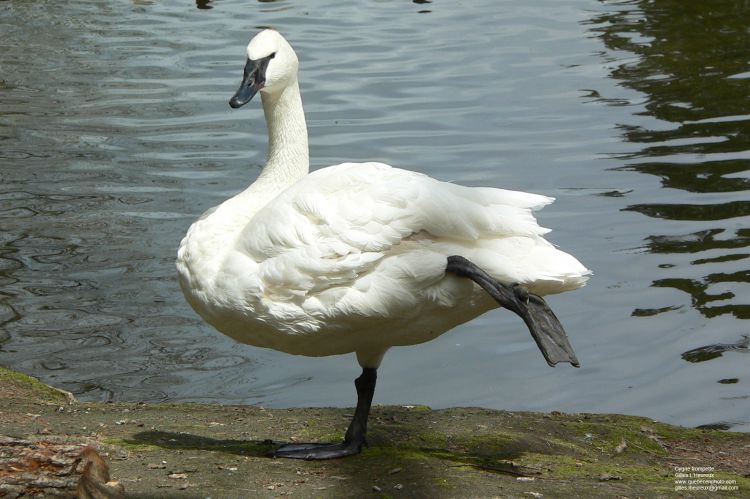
115, 134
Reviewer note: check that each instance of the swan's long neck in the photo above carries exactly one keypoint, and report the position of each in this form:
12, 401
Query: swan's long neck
288, 161
288, 155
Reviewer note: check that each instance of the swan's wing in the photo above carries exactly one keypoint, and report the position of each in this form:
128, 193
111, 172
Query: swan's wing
365, 238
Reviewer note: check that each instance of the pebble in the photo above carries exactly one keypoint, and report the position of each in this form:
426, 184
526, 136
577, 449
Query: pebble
621, 447
606, 477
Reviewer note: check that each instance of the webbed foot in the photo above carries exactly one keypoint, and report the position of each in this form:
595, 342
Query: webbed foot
355, 435
543, 325
315, 451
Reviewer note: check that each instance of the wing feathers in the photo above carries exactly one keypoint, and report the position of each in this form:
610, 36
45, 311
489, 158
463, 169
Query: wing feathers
370, 239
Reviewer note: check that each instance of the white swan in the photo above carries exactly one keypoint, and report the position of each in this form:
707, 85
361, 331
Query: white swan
361, 257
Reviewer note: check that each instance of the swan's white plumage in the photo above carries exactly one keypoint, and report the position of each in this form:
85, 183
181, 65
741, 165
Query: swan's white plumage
351, 258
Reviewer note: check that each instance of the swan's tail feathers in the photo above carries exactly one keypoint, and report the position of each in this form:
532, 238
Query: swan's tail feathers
543, 325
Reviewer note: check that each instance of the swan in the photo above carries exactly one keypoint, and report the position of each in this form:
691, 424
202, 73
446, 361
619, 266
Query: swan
361, 257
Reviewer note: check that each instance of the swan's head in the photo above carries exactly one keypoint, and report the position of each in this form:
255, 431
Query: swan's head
271, 66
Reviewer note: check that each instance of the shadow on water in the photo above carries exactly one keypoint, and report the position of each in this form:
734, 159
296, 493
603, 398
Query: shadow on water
690, 61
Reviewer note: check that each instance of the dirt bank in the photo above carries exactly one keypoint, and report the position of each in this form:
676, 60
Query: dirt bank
191, 450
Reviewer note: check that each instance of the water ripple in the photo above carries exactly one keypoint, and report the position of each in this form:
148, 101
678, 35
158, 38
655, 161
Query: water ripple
116, 134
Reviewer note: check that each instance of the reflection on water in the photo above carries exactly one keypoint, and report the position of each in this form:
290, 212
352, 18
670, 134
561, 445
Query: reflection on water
690, 60
713, 351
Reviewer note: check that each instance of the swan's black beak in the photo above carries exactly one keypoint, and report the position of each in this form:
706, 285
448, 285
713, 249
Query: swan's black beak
250, 85
253, 79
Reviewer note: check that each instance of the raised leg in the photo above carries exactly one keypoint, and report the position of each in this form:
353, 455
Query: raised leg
355, 435
543, 325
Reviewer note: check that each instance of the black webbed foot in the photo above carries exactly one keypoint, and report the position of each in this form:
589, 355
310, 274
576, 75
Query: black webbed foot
543, 325
355, 435
316, 451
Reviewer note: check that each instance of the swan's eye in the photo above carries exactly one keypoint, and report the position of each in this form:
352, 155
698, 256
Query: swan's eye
273, 54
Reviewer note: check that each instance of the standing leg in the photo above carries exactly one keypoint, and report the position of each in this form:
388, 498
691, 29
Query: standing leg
365, 384
355, 435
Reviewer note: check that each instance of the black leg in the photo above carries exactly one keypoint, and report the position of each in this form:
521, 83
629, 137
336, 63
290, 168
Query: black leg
543, 325
355, 435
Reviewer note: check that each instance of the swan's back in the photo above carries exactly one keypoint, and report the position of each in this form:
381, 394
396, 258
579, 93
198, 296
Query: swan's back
357, 246
353, 215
